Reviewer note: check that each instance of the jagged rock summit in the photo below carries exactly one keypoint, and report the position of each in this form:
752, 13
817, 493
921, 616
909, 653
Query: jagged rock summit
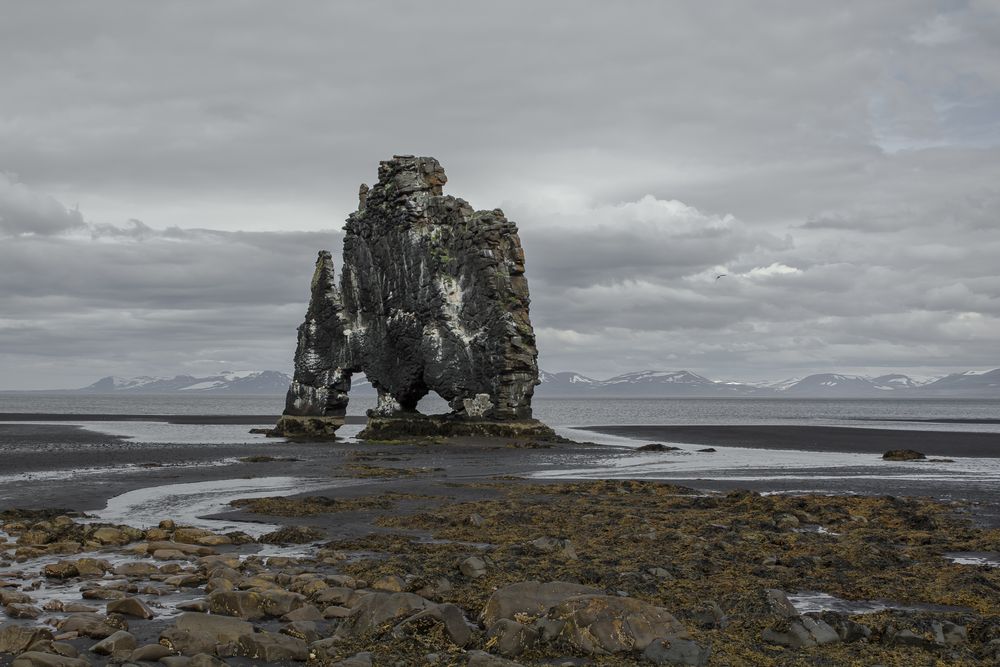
432, 297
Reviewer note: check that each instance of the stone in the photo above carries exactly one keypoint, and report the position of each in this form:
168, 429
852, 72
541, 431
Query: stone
903, 455
306, 612
432, 297
334, 611
510, 638
778, 602
363, 659
149, 653
92, 567
676, 652
451, 617
64, 569
195, 633
103, 593
111, 536
308, 631
532, 598
39, 659
656, 447
554, 545
389, 584
483, 659
9, 596
606, 624
90, 625
473, 567
136, 569
17, 638
221, 628
186, 549
131, 607
119, 644
377, 609
22, 611
800, 632
191, 535
268, 647
254, 604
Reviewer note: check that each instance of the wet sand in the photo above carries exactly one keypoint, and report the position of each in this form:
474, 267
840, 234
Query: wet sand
817, 438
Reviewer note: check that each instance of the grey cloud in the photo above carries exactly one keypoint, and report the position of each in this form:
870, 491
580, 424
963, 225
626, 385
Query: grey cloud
23, 211
839, 162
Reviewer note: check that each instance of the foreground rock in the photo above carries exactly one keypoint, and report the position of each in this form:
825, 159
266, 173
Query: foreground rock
432, 297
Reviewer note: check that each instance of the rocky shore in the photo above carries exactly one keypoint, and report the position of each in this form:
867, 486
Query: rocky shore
504, 571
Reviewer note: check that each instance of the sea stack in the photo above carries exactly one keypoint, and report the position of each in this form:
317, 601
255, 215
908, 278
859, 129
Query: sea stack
432, 296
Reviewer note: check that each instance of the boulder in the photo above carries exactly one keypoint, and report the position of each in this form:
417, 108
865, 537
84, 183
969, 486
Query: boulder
377, 609
120, 643
222, 629
136, 569
676, 652
800, 632
449, 616
149, 653
108, 535
17, 638
903, 455
530, 597
90, 625
39, 659
251, 605
22, 611
511, 638
10, 596
605, 624
131, 607
268, 647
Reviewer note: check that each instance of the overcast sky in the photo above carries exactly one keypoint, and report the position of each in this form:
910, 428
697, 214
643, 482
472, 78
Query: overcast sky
170, 169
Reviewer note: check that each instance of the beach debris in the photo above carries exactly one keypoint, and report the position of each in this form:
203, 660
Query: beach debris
432, 296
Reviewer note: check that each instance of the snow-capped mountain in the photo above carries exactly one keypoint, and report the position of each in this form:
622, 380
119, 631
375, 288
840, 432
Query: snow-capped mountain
227, 382
646, 384
978, 383
972, 384
641, 384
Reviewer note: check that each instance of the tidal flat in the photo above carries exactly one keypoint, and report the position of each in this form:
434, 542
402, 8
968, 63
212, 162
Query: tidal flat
448, 552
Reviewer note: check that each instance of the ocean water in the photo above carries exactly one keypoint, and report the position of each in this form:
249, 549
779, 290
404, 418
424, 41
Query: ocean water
882, 413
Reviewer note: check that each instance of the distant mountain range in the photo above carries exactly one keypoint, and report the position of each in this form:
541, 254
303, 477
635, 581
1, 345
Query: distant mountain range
680, 384
643, 384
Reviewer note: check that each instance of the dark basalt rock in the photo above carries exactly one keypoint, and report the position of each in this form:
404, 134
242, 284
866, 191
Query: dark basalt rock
903, 455
432, 297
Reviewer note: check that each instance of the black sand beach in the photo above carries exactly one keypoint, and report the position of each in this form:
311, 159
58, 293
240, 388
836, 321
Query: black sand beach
817, 438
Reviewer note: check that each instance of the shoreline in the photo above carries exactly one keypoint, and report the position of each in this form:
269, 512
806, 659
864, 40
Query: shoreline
847, 439
431, 524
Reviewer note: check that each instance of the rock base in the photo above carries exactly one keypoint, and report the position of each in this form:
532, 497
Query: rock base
306, 428
418, 426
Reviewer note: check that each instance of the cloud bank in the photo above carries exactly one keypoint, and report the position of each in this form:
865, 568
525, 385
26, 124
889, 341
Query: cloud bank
839, 163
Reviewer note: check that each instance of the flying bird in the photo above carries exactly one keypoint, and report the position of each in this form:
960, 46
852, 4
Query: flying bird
721, 275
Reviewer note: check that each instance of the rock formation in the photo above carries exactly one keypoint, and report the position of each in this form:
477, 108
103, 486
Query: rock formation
432, 297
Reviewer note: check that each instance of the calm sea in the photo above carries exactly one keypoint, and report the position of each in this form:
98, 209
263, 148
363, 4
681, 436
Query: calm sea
571, 412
